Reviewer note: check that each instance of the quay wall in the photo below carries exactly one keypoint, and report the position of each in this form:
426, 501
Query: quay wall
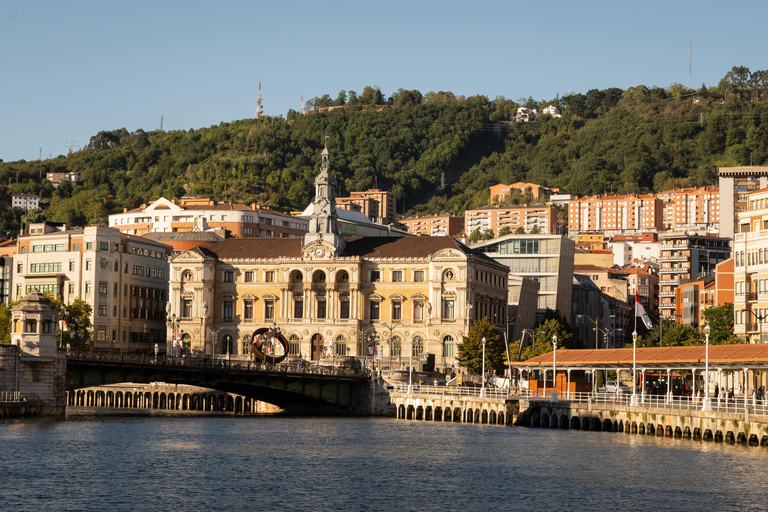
453, 408
711, 426
39, 380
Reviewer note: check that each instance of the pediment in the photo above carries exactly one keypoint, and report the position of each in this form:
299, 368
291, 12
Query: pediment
448, 254
418, 296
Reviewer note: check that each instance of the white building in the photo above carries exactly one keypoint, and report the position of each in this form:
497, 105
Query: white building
25, 201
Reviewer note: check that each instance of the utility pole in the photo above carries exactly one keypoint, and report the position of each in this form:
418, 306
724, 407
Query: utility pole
72, 143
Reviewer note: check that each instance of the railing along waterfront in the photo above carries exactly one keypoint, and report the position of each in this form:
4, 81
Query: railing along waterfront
11, 396
735, 405
459, 391
206, 363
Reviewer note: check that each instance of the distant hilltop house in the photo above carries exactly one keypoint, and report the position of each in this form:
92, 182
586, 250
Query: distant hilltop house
57, 177
538, 193
25, 201
526, 115
552, 111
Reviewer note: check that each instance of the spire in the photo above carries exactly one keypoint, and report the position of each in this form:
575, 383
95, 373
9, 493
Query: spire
259, 108
323, 225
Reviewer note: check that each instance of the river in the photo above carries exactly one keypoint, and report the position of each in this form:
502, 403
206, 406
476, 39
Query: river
276, 463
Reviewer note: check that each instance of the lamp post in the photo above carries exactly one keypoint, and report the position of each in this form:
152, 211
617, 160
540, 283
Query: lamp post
634, 368
705, 406
597, 323
554, 369
203, 323
389, 341
482, 378
410, 368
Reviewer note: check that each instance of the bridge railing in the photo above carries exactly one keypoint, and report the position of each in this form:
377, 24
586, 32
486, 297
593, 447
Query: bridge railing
11, 396
206, 363
736, 404
458, 391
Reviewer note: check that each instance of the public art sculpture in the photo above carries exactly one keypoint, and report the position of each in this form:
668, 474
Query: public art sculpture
268, 345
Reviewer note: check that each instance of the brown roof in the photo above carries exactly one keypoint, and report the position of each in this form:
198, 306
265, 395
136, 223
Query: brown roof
364, 247
731, 356
596, 268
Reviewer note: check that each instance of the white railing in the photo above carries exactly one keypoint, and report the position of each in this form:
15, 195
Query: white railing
736, 405
451, 391
11, 396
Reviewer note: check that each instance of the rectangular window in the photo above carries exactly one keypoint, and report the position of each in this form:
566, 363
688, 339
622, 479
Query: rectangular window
321, 309
374, 310
89, 246
229, 276
35, 268
448, 309
249, 276
418, 276
397, 276
186, 308
103, 286
19, 268
298, 309
102, 310
248, 310
125, 311
88, 287
88, 264
103, 246
228, 310
397, 310
375, 276
138, 270
418, 311
114, 310
71, 265
71, 288
344, 309
269, 276
114, 289
269, 309
102, 335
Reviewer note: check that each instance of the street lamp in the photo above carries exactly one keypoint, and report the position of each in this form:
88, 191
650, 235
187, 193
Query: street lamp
597, 323
389, 341
410, 367
634, 370
554, 369
482, 378
705, 405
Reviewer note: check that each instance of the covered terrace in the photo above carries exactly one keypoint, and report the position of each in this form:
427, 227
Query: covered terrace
667, 371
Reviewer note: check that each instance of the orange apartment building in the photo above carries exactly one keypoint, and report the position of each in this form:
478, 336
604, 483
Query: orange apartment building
195, 214
495, 218
615, 214
540, 194
378, 205
445, 224
696, 208
694, 296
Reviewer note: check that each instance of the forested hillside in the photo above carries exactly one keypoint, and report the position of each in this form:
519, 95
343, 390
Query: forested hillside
436, 152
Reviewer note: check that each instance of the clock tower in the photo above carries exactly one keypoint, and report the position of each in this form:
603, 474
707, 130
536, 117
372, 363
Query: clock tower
323, 240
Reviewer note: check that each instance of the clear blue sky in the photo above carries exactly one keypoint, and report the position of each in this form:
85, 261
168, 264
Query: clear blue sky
71, 69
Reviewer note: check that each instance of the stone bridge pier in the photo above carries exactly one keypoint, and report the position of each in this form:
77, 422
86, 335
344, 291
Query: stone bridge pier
451, 408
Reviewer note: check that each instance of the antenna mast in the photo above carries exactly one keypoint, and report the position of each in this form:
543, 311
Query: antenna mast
689, 64
259, 108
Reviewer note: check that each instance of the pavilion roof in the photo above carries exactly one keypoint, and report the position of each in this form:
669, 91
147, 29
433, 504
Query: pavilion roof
728, 356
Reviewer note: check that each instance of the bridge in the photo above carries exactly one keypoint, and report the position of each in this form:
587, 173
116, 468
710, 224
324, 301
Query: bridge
296, 388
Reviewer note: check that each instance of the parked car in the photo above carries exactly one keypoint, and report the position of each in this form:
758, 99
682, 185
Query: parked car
612, 387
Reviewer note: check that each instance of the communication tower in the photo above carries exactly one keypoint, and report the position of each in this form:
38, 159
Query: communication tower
259, 108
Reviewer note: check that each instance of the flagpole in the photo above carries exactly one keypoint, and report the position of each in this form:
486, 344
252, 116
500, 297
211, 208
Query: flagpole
634, 352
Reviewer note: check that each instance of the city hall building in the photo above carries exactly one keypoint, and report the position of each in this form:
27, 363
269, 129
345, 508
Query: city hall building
381, 298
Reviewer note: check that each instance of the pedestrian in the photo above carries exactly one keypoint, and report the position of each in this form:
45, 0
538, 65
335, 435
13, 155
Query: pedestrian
717, 390
435, 381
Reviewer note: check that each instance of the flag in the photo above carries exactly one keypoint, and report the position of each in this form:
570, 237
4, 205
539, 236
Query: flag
640, 311
62, 325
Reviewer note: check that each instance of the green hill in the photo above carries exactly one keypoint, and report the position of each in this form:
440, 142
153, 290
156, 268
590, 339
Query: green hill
436, 152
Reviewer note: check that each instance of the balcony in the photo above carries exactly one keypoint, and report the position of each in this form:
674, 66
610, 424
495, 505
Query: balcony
751, 296
751, 327
674, 270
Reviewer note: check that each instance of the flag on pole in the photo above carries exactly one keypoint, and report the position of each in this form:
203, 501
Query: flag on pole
640, 311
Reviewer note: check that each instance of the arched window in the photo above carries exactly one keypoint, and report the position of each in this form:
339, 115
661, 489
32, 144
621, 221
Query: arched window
448, 346
319, 277
418, 345
294, 348
340, 348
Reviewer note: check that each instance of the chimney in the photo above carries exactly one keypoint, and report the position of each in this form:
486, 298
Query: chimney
125, 210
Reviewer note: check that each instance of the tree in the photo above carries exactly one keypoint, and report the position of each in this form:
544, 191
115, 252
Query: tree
471, 349
475, 236
505, 231
720, 321
553, 324
5, 322
520, 230
673, 335
341, 99
77, 317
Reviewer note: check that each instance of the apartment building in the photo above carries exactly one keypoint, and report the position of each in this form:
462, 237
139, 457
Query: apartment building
445, 224
615, 214
378, 205
750, 251
123, 278
735, 184
696, 208
501, 192
543, 219
685, 257
196, 214
57, 177
25, 201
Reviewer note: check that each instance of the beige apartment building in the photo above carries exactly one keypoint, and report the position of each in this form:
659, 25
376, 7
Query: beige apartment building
750, 251
615, 214
378, 205
496, 218
445, 224
123, 278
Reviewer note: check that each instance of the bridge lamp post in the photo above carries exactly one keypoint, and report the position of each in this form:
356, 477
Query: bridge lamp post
389, 341
634, 369
554, 369
482, 377
705, 406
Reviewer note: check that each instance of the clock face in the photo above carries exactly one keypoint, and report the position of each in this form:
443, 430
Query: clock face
319, 251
